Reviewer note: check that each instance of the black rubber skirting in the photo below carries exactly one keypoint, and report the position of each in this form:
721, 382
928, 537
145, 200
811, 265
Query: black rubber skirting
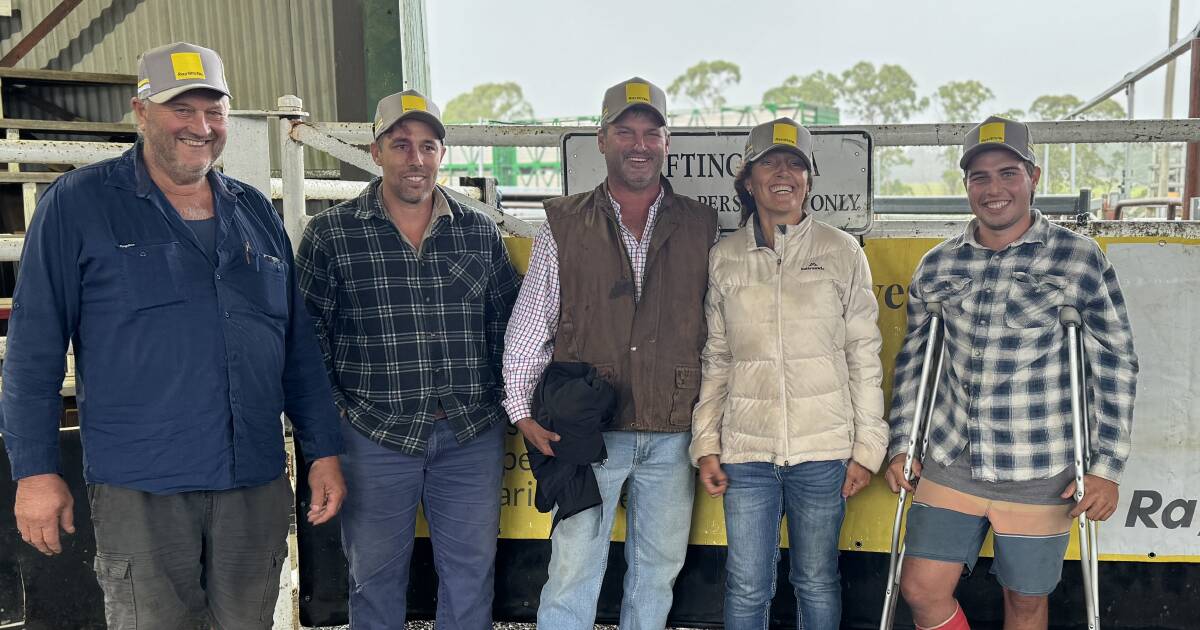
61, 592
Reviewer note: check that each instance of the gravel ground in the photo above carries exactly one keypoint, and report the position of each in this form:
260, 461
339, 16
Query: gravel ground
429, 625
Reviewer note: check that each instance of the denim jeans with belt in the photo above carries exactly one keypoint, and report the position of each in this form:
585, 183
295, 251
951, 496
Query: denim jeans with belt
459, 487
758, 496
661, 486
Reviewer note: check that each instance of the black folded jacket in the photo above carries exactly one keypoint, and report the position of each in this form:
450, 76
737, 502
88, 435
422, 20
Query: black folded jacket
573, 401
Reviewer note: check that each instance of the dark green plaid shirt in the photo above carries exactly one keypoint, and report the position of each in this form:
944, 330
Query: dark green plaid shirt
404, 334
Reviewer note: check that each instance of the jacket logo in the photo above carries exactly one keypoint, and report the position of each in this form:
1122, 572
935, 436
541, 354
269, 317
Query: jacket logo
812, 266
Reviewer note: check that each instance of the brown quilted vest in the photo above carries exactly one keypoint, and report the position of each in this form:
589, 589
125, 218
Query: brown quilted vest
649, 350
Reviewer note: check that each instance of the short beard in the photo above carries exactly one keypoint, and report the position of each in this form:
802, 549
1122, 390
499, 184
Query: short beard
163, 153
636, 185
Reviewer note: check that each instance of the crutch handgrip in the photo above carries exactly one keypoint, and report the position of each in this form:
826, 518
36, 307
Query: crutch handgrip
934, 308
1069, 316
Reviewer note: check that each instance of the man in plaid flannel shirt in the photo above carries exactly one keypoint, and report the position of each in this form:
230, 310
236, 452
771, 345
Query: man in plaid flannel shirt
1000, 448
411, 294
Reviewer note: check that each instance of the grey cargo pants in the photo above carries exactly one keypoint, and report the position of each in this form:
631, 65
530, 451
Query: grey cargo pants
191, 560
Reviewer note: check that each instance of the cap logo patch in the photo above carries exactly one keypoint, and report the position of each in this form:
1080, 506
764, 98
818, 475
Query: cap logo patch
410, 103
637, 93
991, 132
187, 66
782, 133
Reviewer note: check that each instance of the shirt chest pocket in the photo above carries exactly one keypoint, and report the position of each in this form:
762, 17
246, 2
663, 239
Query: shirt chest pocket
153, 274
269, 280
466, 278
1034, 301
949, 291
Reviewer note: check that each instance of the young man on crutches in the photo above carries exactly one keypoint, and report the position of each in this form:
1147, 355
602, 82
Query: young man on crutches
1000, 450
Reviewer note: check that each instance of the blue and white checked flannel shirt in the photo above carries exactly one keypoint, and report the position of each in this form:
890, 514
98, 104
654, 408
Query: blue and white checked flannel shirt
402, 333
1005, 391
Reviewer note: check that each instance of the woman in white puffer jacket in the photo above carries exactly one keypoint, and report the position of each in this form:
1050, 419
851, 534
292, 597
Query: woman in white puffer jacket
790, 416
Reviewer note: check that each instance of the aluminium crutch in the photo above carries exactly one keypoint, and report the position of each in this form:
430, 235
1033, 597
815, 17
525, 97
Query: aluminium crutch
931, 370
1081, 437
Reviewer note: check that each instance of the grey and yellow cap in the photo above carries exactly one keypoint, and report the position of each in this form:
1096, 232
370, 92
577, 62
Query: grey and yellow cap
168, 71
636, 92
404, 105
781, 133
997, 133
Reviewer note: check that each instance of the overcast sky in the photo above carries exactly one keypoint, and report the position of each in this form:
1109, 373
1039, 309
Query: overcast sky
563, 53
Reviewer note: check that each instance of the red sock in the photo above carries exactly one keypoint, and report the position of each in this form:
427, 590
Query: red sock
957, 621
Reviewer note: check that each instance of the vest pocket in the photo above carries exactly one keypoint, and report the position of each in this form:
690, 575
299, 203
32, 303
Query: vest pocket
683, 397
607, 371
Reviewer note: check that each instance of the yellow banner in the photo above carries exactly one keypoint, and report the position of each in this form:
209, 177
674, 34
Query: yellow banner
869, 515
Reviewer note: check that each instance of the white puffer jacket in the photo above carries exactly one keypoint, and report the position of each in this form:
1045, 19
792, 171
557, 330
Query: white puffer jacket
791, 369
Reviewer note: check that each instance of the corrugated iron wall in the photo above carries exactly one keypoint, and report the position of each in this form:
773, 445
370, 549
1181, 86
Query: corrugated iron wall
270, 48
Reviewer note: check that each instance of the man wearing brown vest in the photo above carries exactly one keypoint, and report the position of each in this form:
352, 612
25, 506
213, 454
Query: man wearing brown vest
617, 279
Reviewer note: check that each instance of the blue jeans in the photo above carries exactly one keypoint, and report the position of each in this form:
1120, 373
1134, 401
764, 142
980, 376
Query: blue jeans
758, 496
661, 485
459, 486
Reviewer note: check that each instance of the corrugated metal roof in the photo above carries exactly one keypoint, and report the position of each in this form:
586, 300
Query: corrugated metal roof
270, 48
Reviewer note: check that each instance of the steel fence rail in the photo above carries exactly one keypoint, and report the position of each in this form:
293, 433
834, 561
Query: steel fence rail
907, 135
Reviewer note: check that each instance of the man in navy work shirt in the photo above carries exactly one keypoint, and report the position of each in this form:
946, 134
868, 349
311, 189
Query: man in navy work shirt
411, 293
176, 286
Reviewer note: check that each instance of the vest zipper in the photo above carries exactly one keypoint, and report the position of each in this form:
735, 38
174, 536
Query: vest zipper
787, 449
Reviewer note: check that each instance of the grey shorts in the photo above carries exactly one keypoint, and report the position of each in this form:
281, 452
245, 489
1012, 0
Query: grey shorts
1029, 540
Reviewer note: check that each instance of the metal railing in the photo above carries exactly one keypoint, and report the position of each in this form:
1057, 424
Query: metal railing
246, 154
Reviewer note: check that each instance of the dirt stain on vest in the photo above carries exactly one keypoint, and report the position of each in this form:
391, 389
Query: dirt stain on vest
622, 287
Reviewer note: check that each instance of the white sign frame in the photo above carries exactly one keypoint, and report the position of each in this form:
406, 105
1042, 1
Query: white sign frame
703, 164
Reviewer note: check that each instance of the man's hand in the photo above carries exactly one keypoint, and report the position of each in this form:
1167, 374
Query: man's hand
1099, 498
540, 438
857, 478
895, 474
43, 505
328, 489
714, 480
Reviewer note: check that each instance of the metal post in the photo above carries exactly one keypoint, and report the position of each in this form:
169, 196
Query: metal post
413, 41
1127, 172
1191, 178
291, 167
383, 50
1164, 155
1045, 169
1072, 167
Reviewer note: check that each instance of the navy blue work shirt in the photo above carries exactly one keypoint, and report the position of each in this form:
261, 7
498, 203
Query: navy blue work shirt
183, 362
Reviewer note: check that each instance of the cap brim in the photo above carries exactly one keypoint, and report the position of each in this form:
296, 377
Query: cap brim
970, 154
785, 147
424, 117
170, 93
645, 106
